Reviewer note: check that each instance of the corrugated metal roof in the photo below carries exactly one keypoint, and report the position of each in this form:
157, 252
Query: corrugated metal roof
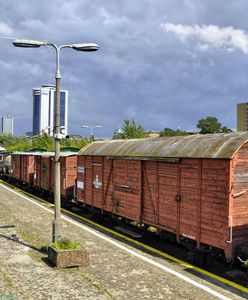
223, 145
44, 154
27, 153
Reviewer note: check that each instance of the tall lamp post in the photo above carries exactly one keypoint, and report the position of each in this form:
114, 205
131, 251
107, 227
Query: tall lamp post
86, 47
91, 130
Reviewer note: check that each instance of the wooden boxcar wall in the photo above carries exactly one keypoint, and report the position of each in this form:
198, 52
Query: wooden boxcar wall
239, 197
23, 167
189, 197
94, 181
44, 174
215, 191
111, 185
37, 171
16, 166
68, 174
27, 169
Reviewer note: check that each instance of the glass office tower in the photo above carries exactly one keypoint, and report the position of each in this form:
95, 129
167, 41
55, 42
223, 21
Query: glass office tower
44, 105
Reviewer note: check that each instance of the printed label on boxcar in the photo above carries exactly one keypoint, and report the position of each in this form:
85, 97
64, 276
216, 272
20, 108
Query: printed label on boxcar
80, 184
188, 236
241, 176
80, 169
96, 183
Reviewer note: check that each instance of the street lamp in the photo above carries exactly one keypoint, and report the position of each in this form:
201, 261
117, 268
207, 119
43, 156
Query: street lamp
86, 47
91, 130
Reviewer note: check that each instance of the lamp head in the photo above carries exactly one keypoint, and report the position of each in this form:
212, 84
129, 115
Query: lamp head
28, 43
86, 47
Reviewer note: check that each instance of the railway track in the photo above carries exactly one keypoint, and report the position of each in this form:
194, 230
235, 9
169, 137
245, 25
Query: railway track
149, 242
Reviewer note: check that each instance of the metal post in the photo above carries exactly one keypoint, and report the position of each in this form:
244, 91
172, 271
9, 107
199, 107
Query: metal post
91, 134
57, 135
57, 203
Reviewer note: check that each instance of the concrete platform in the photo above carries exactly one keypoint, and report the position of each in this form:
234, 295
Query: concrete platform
116, 271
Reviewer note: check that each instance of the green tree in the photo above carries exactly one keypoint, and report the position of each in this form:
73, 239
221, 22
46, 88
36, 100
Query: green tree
14, 143
43, 141
224, 129
171, 132
167, 132
211, 125
130, 130
76, 143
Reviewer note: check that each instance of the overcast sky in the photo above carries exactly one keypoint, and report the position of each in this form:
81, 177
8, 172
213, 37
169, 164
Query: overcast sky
165, 63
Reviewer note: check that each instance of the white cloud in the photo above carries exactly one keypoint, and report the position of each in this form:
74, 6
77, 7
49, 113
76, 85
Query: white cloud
210, 36
5, 29
109, 19
33, 24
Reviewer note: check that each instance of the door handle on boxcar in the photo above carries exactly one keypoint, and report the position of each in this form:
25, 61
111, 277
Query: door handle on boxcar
178, 198
230, 230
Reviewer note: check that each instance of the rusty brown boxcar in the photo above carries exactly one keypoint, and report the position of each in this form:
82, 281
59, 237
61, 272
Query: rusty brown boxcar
44, 173
15, 166
195, 187
22, 166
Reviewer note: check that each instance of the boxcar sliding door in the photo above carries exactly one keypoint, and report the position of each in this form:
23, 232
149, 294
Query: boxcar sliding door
127, 189
171, 196
160, 191
168, 197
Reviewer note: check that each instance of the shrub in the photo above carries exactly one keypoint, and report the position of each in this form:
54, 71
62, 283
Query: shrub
65, 244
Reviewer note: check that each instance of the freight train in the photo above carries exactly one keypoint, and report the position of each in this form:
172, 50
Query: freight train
193, 188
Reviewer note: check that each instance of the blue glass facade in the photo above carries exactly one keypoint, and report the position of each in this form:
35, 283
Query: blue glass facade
62, 108
36, 114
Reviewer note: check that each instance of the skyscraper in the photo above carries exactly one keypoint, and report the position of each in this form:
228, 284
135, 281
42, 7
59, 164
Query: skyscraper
44, 106
242, 117
8, 124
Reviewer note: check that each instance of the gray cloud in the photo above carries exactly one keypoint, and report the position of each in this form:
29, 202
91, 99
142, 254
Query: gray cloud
142, 70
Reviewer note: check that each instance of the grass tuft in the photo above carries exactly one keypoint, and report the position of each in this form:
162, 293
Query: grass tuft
65, 244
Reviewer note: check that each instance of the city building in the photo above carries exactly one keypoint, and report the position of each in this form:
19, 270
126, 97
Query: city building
8, 124
44, 106
242, 117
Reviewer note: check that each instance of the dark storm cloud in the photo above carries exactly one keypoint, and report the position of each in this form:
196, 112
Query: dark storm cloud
142, 70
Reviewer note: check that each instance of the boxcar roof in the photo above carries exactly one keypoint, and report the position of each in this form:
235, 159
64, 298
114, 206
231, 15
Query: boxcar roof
26, 153
223, 145
44, 154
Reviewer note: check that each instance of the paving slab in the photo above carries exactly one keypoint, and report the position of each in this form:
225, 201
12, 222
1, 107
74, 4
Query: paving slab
113, 273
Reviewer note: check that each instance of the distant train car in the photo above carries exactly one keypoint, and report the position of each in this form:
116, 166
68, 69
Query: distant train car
22, 167
44, 173
16, 166
35, 169
194, 187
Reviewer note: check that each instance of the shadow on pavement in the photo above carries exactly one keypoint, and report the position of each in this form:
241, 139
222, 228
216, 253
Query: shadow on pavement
16, 239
